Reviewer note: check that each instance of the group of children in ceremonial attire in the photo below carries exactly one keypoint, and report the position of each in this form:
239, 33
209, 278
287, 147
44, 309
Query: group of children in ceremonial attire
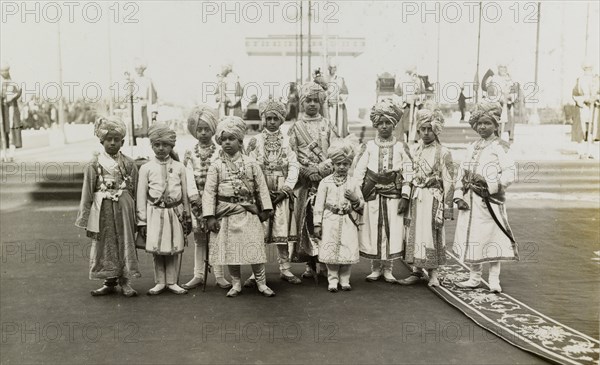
296, 191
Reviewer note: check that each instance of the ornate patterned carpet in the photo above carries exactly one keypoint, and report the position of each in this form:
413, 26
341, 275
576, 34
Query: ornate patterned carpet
514, 321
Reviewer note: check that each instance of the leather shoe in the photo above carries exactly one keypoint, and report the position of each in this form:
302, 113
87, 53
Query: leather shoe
104, 290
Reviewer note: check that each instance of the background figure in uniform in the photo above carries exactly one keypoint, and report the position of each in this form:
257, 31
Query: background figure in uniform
337, 94
229, 93
144, 101
501, 88
293, 104
586, 95
462, 103
11, 117
411, 89
381, 170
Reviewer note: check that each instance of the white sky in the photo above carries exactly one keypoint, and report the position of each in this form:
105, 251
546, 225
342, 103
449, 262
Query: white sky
183, 50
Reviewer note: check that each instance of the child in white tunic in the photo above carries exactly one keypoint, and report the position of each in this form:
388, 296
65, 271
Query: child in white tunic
335, 218
482, 230
163, 210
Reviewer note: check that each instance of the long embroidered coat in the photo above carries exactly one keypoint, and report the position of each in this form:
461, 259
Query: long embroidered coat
339, 221
235, 191
431, 203
108, 216
307, 151
478, 238
384, 172
280, 167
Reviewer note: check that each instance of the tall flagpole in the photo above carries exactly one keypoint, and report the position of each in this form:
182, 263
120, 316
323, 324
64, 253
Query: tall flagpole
110, 95
438, 54
61, 105
309, 40
534, 118
478, 50
301, 47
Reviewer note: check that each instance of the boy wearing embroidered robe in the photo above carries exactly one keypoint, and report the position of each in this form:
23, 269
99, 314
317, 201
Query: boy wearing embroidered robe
338, 201
384, 170
431, 200
202, 124
310, 137
235, 201
107, 210
163, 210
482, 230
272, 151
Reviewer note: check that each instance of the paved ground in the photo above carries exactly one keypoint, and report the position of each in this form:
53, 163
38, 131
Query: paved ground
48, 316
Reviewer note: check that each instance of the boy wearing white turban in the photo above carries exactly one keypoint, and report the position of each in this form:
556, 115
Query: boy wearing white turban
107, 210
482, 230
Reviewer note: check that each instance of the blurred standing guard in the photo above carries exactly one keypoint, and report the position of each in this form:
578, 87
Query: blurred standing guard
586, 94
202, 124
386, 185
278, 162
144, 102
337, 94
431, 200
229, 93
107, 210
11, 117
235, 201
310, 137
482, 230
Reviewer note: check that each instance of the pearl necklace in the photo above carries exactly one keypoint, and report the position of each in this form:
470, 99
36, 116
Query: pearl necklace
385, 143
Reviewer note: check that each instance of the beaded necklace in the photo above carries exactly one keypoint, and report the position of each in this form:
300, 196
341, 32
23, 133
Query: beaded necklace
105, 185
